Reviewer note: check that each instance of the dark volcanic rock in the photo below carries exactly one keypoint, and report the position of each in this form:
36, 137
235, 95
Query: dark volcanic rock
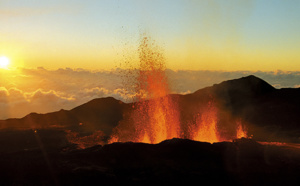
99, 114
171, 162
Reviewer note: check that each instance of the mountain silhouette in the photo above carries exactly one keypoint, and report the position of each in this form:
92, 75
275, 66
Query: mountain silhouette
267, 113
98, 114
43, 154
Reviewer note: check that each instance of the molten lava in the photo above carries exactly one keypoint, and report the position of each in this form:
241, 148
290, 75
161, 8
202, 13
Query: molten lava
155, 116
205, 127
240, 131
156, 120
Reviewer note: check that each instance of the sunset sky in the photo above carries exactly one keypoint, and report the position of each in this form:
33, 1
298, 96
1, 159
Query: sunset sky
59, 54
199, 35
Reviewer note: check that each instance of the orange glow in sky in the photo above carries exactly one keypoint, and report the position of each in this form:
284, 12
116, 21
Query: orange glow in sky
196, 35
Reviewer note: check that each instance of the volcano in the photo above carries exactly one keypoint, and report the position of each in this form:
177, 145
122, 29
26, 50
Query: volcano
267, 113
71, 147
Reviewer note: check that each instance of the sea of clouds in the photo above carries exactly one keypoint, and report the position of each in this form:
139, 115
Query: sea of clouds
23, 91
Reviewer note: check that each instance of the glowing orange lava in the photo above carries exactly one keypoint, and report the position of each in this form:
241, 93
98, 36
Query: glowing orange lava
155, 116
205, 128
156, 120
240, 131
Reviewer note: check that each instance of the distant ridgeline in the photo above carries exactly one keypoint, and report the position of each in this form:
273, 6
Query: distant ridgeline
265, 112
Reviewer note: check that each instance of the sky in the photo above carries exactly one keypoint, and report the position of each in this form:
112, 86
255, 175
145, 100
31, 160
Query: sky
217, 35
64, 53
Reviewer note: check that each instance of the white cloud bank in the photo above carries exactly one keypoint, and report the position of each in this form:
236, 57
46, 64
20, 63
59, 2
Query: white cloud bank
40, 90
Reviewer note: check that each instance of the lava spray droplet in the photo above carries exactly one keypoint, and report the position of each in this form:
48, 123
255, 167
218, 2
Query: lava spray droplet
155, 115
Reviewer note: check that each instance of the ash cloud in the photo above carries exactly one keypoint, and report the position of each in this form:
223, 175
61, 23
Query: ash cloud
23, 91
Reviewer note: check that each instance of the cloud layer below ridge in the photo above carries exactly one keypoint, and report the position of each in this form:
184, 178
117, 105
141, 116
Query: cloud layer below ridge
23, 91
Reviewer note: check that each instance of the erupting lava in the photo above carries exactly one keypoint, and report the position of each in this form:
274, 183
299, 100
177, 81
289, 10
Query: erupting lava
240, 130
158, 118
155, 116
206, 126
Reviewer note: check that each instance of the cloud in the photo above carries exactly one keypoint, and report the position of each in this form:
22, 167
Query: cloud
193, 80
297, 86
3, 94
40, 90
16, 103
118, 93
49, 99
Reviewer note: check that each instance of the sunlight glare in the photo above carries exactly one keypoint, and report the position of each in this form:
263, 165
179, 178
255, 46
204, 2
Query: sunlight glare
4, 62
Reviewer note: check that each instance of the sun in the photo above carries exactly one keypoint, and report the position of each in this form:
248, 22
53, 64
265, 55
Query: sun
4, 62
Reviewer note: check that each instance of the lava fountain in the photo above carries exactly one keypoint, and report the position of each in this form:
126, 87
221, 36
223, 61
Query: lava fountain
155, 115
241, 132
205, 127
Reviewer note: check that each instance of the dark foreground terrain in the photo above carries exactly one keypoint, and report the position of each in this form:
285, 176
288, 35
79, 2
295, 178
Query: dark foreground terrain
44, 149
45, 158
